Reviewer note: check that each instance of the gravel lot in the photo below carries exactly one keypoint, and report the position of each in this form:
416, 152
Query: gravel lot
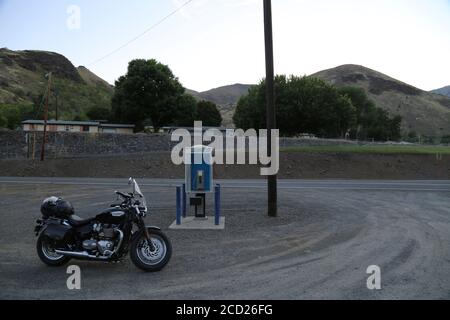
319, 247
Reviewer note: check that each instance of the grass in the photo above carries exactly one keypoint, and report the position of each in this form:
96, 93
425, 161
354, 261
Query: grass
379, 149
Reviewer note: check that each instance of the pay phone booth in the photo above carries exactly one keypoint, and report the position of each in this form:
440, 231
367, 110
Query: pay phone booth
199, 177
199, 183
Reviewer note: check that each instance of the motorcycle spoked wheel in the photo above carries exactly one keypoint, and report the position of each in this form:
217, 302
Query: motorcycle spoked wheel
147, 259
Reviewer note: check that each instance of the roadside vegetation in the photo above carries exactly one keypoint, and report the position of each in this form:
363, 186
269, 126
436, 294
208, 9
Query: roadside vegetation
368, 149
150, 94
310, 105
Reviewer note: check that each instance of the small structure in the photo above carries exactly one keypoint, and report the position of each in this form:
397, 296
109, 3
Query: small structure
77, 126
198, 183
199, 169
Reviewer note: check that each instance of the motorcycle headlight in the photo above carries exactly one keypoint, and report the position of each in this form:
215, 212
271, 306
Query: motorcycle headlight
143, 211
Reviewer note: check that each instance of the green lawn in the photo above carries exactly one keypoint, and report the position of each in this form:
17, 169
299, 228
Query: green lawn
388, 149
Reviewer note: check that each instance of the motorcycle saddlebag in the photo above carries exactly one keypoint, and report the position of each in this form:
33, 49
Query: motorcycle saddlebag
59, 233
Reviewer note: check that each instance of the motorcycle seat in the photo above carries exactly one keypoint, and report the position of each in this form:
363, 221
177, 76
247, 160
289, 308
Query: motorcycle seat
76, 221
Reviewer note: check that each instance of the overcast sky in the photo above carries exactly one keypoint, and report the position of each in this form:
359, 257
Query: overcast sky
211, 43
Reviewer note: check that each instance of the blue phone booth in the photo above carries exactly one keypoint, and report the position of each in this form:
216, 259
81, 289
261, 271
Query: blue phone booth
199, 177
199, 182
199, 170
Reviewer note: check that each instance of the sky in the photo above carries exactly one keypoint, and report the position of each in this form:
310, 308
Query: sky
210, 43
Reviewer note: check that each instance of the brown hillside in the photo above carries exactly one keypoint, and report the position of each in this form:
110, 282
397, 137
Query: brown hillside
424, 112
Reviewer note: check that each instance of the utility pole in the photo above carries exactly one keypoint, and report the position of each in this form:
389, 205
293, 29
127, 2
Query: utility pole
44, 138
56, 105
270, 96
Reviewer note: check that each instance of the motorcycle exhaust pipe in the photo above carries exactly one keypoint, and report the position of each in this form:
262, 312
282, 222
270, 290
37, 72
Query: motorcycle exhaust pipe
80, 255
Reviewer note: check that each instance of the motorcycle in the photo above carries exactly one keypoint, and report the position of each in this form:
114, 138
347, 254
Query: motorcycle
107, 237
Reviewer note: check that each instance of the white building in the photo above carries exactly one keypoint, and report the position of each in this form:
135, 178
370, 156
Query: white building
77, 126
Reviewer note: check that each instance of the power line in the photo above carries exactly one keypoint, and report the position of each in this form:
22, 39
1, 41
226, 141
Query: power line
142, 34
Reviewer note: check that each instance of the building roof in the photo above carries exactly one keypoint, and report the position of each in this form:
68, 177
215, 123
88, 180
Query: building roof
80, 123
113, 125
192, 129
63, 123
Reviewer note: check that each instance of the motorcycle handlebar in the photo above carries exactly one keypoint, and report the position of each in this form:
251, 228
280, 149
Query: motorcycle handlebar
123, 195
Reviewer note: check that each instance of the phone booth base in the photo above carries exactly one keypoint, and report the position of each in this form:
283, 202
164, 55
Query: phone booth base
200, 221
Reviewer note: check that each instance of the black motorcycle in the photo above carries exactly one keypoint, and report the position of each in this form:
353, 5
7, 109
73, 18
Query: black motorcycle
107, 237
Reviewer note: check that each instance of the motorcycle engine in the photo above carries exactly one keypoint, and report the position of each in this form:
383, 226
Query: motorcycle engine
104, 242
105, 247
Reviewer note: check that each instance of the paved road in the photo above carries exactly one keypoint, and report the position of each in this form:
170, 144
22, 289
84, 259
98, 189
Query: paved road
326, 235
399, 185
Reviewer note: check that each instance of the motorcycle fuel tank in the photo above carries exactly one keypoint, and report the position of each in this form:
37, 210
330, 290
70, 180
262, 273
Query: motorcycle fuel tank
111, 216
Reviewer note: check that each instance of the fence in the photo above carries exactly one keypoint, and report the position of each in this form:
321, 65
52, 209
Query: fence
22, 145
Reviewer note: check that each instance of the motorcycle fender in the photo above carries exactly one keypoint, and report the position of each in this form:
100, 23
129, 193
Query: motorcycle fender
153, 228
148, 228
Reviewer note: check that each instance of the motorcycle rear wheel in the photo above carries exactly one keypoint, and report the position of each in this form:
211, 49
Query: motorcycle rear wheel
47, 253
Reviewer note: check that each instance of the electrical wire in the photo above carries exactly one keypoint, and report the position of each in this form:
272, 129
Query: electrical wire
142, 34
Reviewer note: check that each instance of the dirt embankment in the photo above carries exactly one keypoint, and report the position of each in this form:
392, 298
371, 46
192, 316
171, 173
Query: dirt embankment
292, 166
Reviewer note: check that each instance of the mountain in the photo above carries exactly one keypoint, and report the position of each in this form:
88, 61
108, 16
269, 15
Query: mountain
23, 81
225, 97
423, 112
93, 80
445, 91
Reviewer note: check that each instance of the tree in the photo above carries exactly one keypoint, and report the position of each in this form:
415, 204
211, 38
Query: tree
3, 121
99, 113
13, 115
396, 128
304, 105
146, 91
184, 111
250, 112
209, 114
445, 139
372, 122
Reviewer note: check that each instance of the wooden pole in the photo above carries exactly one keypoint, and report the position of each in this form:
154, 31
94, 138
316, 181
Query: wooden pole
34, 146
28, 137
56, 97
44, 138
270, 95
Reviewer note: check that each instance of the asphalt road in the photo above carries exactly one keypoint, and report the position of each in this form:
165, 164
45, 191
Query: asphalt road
326, 236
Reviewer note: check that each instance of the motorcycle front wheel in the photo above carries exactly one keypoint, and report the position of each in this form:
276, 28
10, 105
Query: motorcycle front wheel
151, 259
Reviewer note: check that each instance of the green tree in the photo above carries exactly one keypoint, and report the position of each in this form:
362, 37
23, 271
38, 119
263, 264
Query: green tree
146, 91
396, 128
99, 113
14, 114
304, 105
412, 137
3, 121
250, 112
371, 122
445, 139
184, 110
209, 114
